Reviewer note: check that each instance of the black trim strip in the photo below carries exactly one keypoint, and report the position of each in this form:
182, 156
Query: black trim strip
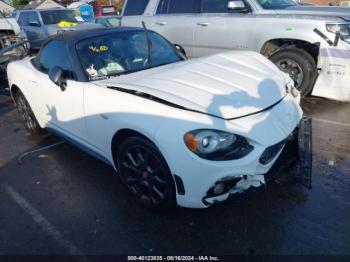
323, 36
164, 102
336, 40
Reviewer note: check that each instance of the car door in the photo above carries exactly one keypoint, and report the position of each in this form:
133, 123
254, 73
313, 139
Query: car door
219, 29
176, 21
29, 21
62, 110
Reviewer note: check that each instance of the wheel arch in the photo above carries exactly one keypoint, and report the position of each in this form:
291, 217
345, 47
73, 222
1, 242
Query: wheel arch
14, 90
121, 135
272, 46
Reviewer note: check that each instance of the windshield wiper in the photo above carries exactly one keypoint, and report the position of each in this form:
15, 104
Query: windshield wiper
149, 44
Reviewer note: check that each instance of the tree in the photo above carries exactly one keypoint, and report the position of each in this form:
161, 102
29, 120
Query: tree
18, 4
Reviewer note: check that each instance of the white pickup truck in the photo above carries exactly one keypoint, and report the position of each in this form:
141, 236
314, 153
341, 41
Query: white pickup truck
310, 43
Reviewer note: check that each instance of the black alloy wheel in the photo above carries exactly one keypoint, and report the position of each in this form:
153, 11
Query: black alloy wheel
145, 173
24, 109
300, 66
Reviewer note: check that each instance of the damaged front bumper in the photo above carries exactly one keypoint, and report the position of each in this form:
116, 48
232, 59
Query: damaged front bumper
297, 149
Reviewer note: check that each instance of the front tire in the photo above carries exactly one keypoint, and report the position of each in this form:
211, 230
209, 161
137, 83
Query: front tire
24, 109
300, 65
145, 173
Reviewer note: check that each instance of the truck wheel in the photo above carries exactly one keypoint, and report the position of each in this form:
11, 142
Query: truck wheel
24, 109
145, 173
299, 65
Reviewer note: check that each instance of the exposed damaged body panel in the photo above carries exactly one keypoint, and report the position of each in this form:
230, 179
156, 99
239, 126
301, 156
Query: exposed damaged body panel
12, 44
12, 48
227, 86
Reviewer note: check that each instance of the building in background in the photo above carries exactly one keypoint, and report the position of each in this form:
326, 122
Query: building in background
5, 8
42, 4
345, 3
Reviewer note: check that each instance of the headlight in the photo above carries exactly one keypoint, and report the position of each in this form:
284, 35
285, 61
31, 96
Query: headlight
217, 145
343, 29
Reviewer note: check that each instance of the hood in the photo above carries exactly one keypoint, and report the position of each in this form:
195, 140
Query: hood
52, 29
9, 24
342, 12
228, 85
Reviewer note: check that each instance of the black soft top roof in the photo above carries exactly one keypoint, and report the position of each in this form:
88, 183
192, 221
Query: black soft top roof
74, 36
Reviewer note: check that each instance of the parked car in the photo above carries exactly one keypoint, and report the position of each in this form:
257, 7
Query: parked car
10, 34
300, 40
108, 21
105, 10
190, 132
40, 24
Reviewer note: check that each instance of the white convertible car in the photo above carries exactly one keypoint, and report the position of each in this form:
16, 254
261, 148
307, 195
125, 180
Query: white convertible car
177, 131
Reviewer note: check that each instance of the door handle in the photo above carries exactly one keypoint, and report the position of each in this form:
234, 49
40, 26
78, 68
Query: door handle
34, 82
161, 23
203, 23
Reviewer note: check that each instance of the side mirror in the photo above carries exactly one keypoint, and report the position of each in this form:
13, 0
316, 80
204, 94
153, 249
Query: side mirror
236, 5
57, 75
34, 23
180, 49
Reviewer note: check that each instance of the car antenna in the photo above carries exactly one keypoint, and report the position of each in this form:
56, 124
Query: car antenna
149, 43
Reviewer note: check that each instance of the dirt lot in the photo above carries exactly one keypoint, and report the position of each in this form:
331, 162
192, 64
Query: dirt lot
62, 201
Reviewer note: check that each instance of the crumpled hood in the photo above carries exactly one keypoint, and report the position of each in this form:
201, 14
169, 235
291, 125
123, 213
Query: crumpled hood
228, 85
9, 24
343, 12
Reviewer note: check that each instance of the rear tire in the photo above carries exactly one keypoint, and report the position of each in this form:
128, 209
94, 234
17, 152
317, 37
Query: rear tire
24, 109
300, 65
145, 173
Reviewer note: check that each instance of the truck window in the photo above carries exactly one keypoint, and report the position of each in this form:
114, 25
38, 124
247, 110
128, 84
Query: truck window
135, 7
183, 6
26, 17
23, 19
163, 7
178, 6
216, 6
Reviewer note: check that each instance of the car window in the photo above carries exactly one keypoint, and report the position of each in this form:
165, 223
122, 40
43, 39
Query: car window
101, 22
26, 17
113, 21
277, 4
54, 54
135, 7
183, 6
163, 7
1, 15
51, 17
215, 6
114, 54
23, 19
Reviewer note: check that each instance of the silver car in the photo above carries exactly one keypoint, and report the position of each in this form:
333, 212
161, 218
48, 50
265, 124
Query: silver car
310, 43
40, 24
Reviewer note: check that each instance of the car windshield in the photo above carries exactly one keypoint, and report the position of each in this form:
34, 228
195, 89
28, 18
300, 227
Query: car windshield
114, 21
277, 4
56, 16
122, 53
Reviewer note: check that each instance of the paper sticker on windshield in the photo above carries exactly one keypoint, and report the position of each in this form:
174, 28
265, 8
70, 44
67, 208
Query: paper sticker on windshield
79, 19
66, 24
98, 49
